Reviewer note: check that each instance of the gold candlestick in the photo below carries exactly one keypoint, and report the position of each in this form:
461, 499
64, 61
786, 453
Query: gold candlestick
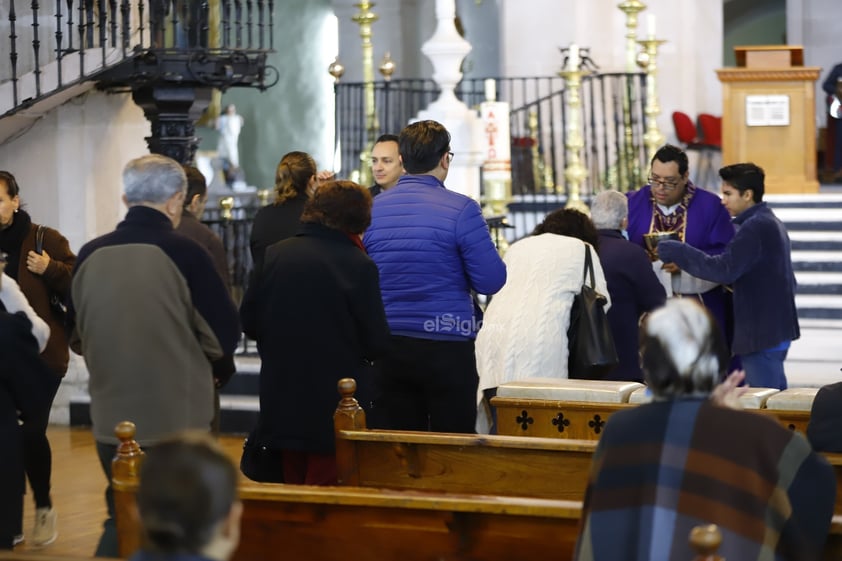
575, 173
631, 8
364, 18
653, 137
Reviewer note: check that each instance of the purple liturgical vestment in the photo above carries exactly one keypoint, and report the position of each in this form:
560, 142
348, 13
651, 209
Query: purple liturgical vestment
707, 227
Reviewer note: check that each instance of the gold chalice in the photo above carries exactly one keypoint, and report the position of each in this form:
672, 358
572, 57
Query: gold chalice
651, 241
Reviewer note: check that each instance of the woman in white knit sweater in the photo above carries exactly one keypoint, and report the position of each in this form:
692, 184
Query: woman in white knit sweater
13, 301
524, 331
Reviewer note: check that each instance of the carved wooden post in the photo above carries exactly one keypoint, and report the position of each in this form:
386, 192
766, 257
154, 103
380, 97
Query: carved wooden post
705, 541
348, 416
125, 478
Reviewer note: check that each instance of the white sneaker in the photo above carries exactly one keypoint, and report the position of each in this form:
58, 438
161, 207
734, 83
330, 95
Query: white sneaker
19, 539
45, 531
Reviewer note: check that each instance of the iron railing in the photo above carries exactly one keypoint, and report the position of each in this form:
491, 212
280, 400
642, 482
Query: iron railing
612, 115
51, 45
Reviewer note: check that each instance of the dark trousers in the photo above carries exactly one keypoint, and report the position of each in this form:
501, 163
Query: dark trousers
429, 385
37, 456
108, 544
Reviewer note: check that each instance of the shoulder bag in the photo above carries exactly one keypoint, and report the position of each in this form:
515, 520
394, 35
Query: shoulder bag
591, 345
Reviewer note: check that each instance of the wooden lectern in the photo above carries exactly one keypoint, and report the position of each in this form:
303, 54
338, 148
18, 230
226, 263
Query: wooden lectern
768, 115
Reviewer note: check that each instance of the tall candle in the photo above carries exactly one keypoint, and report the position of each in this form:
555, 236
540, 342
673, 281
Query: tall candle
490, 89
650, 25
573, 57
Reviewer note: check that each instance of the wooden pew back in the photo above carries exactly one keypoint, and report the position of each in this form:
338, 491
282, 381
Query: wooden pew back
457, 463
369, 524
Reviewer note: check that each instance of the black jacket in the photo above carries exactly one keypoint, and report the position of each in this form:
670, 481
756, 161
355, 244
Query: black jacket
24, 379
274, 223
316, 312
823, 431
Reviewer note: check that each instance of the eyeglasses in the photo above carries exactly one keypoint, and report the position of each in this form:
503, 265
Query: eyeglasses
449, 157
4, 257
666, 185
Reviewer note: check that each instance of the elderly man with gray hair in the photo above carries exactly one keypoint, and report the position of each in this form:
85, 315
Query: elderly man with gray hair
153, 320
632, 284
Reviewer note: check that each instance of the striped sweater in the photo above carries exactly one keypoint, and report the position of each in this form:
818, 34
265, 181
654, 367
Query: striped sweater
662, 468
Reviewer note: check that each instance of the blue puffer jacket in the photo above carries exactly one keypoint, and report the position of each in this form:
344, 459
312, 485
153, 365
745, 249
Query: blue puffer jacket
432, 247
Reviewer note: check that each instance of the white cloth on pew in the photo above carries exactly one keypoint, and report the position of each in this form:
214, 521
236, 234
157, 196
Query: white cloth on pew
595, 391
793, 399
756, 398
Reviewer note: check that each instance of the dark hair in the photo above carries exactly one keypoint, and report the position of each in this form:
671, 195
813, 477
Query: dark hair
187, 486
670, 153
293, 175
421, 146
341, 205
743, 177
196, 184
11, 183
387, 138
569, 222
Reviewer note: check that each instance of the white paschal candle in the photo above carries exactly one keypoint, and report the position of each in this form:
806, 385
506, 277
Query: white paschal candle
573, 57
650, 25
490, 89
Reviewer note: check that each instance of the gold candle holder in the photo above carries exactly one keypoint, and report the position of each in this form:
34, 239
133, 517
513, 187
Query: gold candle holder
226, 205
575, 173
653, 139
364, 18
631, 8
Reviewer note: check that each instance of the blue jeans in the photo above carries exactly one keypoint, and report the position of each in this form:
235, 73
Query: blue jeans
765, 369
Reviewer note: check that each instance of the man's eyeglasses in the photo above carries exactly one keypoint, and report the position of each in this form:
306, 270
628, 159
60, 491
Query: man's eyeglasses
4, 257
665, 184
449, 157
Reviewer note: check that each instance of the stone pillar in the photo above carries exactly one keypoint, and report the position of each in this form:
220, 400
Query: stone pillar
446, 49
173, 111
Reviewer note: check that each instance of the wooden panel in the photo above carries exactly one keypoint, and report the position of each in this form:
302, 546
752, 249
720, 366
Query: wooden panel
554, 469
584, 420
787, 153
769, 56
326, 524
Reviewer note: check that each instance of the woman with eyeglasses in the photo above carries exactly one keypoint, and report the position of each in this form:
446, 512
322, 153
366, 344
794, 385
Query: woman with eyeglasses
41, 262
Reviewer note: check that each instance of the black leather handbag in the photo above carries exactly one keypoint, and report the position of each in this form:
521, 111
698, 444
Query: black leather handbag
592, 352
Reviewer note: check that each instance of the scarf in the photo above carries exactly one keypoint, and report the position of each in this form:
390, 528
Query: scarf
675, 222
357, 240
11, 240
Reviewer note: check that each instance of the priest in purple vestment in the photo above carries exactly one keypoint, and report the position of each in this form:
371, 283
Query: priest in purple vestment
671, 203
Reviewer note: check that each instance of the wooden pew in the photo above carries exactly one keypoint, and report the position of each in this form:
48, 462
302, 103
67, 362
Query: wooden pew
30, 556
584, 420
456, 463
371, 524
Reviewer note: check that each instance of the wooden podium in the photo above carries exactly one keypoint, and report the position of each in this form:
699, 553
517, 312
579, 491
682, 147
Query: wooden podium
768, 115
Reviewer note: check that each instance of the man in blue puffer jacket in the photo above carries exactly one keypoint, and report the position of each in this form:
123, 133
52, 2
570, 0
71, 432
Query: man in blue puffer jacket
432, 248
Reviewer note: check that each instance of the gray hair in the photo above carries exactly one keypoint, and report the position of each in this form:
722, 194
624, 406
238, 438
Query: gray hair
608, 209
152, 179
682, 350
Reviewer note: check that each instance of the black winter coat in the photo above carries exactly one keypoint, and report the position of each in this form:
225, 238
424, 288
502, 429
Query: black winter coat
316, 312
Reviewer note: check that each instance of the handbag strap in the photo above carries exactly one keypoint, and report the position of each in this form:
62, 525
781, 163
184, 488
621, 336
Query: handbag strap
39, 239
588, 267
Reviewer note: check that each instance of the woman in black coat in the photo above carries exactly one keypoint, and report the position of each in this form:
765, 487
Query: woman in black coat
317, 315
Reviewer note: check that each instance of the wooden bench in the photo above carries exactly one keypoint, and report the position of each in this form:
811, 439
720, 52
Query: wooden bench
520, 412
371, 524
457, 463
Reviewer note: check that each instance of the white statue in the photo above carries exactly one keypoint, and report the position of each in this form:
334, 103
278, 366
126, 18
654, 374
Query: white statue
229, 125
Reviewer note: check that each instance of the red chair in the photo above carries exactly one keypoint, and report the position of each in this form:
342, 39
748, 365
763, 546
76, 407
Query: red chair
711, 126
685, 131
